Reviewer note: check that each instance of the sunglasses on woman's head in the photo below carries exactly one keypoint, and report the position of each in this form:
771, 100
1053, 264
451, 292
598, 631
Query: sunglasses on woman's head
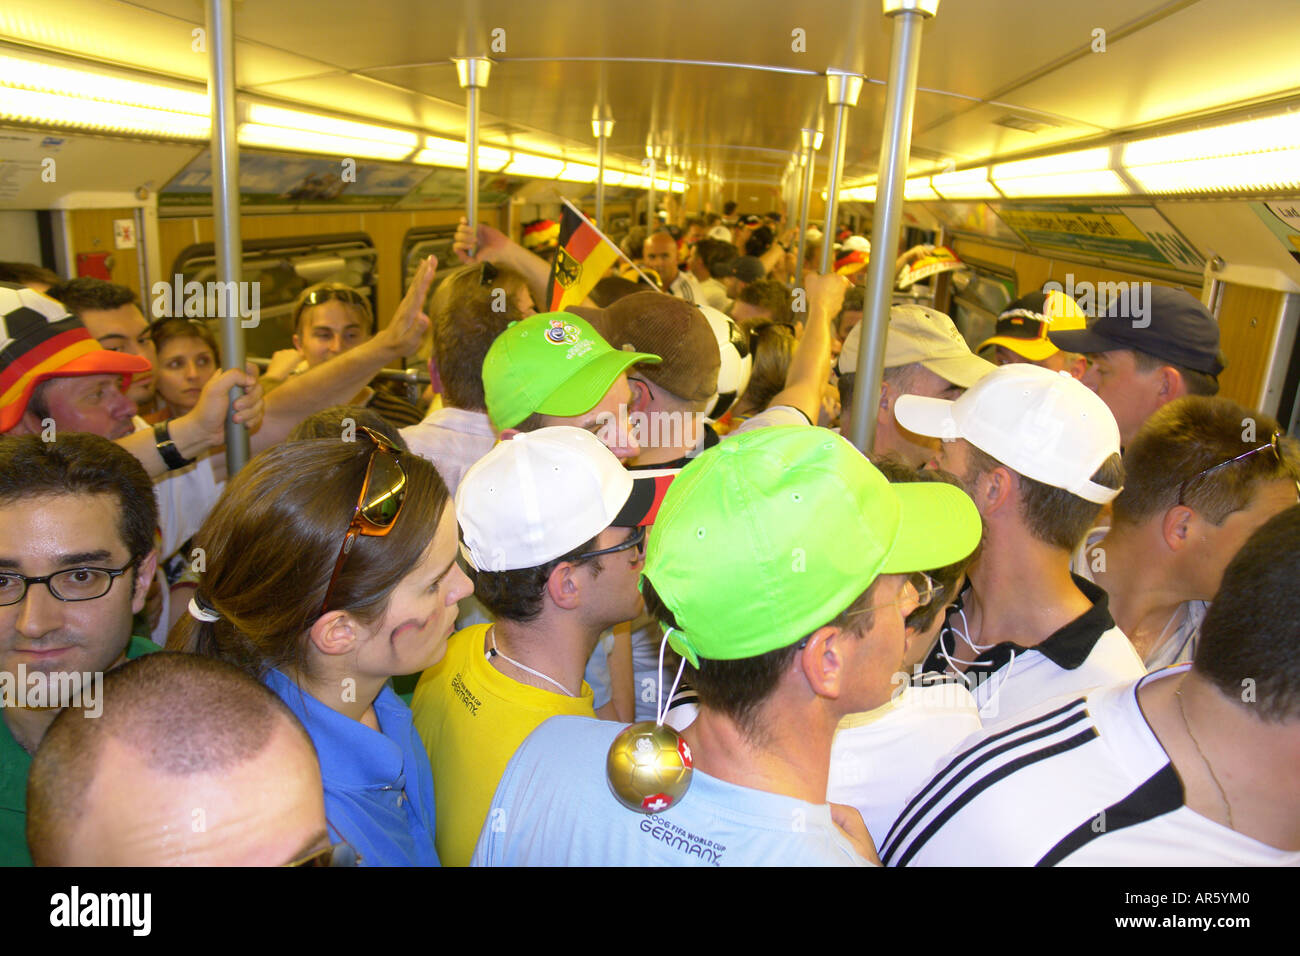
382, 492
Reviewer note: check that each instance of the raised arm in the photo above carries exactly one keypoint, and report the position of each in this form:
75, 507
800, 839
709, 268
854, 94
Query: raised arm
492, 245
340, 379
810, 365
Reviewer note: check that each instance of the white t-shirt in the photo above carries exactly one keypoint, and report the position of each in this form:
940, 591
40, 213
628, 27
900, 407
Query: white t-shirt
1077, 781
184, 497
687, 287
1088, 652
453, 439
881, 757
1177, 644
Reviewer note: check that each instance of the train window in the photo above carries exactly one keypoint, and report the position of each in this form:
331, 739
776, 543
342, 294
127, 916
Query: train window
980, 293
282, 268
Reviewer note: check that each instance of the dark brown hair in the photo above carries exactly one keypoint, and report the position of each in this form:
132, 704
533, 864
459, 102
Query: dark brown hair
773, 352
517, 595
465, 324
1250, 639
182, 713
739, 688
770, 295
1053, 515
271, 540
79, 463
1184, 438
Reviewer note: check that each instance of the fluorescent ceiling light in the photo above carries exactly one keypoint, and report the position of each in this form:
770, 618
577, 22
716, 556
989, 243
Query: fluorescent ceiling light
99, 86
918, 189
1084, 172
578, 173
537, 166
293, 140
613, 177
1255, 154
967, 184
54, 109
452, 153
262, 115
858, 194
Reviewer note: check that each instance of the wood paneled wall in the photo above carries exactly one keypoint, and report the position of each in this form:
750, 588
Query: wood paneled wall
1248, 319
92, 231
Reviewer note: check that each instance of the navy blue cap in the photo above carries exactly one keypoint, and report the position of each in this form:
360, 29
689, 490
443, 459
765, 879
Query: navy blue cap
1171, 325
745, 268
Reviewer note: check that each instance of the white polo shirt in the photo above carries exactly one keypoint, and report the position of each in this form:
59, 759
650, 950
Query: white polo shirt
453, 439
881, 757
1088, 652
1077, 781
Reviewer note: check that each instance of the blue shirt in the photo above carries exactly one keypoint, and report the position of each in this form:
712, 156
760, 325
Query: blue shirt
554, 807
378, 785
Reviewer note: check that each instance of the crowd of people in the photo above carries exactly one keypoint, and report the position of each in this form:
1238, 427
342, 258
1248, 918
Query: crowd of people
1049, 617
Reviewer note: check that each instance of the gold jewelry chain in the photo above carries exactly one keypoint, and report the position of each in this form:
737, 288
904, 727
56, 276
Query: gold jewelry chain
1201, 753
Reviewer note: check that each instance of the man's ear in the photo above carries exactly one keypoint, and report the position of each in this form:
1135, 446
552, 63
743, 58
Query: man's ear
822, 661
1175, 527
297, 341
507, 433
1171, 384
145, 571
564, 587
29, 424
885, 407
435, 380
997, 492
640, 396
334, 633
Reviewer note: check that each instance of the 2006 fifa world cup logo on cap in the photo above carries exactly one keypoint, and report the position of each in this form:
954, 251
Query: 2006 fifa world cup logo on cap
562, 333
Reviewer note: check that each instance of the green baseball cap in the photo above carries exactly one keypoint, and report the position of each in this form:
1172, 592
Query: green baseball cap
772, 533
554, 363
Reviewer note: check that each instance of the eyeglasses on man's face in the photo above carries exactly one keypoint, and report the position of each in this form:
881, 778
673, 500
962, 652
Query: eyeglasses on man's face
634, 540
71, 585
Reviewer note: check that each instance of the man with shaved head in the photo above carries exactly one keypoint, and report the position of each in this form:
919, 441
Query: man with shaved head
192, 763
660, 253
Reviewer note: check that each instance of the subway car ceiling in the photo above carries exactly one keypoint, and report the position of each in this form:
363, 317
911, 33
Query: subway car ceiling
1158, 140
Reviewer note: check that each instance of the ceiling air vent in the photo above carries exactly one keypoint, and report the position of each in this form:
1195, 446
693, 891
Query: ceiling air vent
1023, 123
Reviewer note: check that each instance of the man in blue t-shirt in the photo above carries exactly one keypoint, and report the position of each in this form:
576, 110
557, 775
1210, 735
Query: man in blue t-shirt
781, 567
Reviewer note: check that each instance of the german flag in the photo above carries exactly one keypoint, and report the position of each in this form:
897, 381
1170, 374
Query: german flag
581, 260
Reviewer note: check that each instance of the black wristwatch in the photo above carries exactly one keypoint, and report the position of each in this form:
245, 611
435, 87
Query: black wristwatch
171, 455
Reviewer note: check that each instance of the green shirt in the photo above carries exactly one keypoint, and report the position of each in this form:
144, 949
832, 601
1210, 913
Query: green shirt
14, 764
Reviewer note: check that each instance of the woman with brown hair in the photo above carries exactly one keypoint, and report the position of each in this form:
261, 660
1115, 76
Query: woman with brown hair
187, 357
325, 589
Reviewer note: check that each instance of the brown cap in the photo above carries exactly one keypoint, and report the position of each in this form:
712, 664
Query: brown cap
679, 334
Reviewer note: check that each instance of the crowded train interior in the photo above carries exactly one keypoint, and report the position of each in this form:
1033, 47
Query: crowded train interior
728, 435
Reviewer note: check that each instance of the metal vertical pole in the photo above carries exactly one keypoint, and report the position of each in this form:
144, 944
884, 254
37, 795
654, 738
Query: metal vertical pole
811, 140
652, 216
225, 206
895, 143
472, 72
843, 89
600, 177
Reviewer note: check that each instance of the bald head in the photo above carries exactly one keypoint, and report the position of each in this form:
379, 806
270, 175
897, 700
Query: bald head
660, 252
191, 763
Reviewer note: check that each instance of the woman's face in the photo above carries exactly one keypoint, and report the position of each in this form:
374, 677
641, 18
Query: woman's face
421, 613
184, 366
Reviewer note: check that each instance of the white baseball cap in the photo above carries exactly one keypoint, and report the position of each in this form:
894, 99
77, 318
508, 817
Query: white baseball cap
920, 334
541, 494
1042, 424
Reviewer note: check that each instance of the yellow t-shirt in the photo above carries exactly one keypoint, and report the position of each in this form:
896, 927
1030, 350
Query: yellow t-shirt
472, 719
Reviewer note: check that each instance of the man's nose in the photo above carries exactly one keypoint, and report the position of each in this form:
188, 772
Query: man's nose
39, 612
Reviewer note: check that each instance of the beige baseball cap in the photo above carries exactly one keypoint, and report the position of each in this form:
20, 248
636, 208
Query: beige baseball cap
920, 334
